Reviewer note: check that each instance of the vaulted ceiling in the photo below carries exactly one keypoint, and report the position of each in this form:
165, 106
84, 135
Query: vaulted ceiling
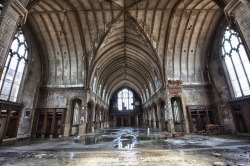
138, 43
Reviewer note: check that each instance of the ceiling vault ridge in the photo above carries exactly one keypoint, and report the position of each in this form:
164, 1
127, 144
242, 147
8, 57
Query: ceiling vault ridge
118, 42
128, 20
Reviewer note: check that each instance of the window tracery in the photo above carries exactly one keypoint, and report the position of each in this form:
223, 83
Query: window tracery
236, 63
125, 100
14, 68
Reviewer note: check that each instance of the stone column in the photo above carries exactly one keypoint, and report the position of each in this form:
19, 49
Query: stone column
150, 119
160, 119
107, 118
67, 121
170, 116
137, 120
145, 117
82, 129
122, 123
93, 118
154, 118
115, 120
167, 113
102, 118
129, 120
238, 14
82, 126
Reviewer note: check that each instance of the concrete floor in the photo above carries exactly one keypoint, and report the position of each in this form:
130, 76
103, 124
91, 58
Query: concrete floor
128, 146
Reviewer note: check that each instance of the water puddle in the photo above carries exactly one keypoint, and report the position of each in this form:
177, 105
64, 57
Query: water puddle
130, 138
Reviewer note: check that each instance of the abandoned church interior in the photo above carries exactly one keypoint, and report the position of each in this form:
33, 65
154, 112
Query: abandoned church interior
71, 68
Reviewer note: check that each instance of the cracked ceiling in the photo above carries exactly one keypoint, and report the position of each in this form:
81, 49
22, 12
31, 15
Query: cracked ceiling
138, 43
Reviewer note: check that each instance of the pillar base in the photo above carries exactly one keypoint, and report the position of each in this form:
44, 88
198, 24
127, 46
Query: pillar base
82, 130
171, 127
66, 130
160, 126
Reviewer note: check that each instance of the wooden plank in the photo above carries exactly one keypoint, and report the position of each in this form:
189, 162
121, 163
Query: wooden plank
52, 130
44, 123
6, 124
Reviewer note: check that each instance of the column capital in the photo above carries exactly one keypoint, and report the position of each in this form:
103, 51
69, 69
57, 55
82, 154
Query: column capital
235, 10
18, 12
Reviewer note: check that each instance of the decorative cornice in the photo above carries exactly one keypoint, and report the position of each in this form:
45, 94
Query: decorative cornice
196, 86
229, 10
232, 6
175, 82
243, 99
20, 10
63, 87
11, 103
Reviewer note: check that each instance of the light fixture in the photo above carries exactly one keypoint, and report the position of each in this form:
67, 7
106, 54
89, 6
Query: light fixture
61, 32
189, 25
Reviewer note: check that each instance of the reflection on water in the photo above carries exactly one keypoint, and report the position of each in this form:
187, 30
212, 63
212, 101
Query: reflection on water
127, 140
123, 145
121, 138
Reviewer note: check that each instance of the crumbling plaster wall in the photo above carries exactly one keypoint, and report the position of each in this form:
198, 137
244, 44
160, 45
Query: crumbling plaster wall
198, 95
58, 98
30, 91
218, 79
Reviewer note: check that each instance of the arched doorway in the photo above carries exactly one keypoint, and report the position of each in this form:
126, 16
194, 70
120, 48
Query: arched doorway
177, 112
76, 106
125, 107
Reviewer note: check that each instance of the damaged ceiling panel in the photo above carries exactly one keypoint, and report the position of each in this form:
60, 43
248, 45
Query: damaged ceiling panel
137, 43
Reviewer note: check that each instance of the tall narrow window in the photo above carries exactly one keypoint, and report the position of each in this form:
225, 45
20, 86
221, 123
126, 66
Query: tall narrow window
236, 62
14, 67
125, 100
94, 84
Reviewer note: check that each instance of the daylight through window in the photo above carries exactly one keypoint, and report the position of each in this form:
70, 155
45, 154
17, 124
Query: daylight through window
14, 67
125, 100
236, 62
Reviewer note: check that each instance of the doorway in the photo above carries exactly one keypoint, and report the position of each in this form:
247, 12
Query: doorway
76, 106
177, 113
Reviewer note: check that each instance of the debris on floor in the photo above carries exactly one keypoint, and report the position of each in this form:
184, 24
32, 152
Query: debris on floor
129, 146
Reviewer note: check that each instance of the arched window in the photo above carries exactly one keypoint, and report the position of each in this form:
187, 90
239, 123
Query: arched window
14, 67
125, 99
151, 88
103, 94
236, 62
94, 84
176, 109
147, 92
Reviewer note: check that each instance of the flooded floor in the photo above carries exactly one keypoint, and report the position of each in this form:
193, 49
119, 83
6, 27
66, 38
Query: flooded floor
128, 146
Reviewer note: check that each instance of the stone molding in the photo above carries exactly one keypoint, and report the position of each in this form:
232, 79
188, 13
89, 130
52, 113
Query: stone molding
20, 10
238, 13
63, 87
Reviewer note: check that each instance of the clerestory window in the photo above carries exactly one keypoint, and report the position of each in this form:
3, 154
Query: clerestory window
125, 99
14, 68
236, 62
